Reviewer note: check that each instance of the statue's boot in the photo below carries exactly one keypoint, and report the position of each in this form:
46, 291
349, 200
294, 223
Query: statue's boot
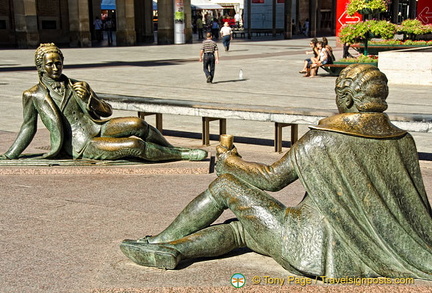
194, 154
154, 152
151, 255
210, 242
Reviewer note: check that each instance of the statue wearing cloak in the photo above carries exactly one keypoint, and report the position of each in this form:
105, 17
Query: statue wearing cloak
365, 212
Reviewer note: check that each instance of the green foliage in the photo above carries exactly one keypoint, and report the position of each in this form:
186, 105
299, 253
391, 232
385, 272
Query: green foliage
414, 27
399, 42
362, 31
361, 59
415, 43
386, 42
362, 5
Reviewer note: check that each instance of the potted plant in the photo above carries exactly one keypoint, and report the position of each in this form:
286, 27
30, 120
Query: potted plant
387, 44
411, 28
363, 31
367, 7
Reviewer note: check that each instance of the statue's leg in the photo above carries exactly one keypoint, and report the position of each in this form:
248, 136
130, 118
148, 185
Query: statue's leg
259, 226
128, 126
110, 148
209, 242
198, 214
252, 207
261, 216
216, 240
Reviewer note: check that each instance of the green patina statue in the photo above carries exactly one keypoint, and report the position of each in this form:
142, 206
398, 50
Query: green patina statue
72, 113
365, 212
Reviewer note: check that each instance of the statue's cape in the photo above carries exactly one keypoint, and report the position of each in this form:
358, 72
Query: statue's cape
373, 125
371, 199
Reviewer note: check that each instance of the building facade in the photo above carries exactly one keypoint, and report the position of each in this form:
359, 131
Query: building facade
27, 23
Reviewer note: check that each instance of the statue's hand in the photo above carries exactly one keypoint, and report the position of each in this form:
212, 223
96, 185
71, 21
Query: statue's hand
82, 89
223, 154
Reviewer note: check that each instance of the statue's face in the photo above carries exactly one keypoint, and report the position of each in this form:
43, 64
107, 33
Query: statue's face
345, 104
53, 65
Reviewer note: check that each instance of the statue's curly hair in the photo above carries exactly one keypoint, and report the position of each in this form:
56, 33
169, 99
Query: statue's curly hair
45, 49
353, 81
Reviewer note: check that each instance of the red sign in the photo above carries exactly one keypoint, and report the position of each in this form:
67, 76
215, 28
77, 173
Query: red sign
342, 18
424, 11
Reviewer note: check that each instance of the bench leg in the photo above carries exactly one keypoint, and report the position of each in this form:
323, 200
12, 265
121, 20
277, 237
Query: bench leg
205, 131
206, 128
222, 126
294, 133
278, 135
159, 127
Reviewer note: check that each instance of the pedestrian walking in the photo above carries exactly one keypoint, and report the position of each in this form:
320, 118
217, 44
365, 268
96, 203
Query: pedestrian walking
215, 28
209, 55
200, 28
98, 26
226, 33
306, 27
109, 26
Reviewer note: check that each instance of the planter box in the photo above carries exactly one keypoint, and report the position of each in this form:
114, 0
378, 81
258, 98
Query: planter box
375, 49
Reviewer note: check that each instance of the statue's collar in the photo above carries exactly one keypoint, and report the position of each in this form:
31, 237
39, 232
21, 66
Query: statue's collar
372, 125
54, 83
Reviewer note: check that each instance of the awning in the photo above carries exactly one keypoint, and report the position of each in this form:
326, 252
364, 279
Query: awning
204, 4
226, 3
108, 5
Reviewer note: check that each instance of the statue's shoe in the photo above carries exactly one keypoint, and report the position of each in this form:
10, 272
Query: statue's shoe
151, 255
195, 155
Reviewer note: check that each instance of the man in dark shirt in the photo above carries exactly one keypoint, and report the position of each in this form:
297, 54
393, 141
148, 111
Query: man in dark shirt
210, 53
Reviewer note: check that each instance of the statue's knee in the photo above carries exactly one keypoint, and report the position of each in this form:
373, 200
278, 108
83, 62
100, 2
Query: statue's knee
135, 143
224, 180
224, 187
138, 123
238, 232
142, 123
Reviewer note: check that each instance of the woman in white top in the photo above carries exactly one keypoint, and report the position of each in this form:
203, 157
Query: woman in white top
226, 33
323, 58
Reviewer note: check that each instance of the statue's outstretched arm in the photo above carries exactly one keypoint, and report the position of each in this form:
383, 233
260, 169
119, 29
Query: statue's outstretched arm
272, 177
28, 128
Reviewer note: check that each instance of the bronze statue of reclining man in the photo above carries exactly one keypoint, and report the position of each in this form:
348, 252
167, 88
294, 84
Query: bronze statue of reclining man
365, 212
72, 113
